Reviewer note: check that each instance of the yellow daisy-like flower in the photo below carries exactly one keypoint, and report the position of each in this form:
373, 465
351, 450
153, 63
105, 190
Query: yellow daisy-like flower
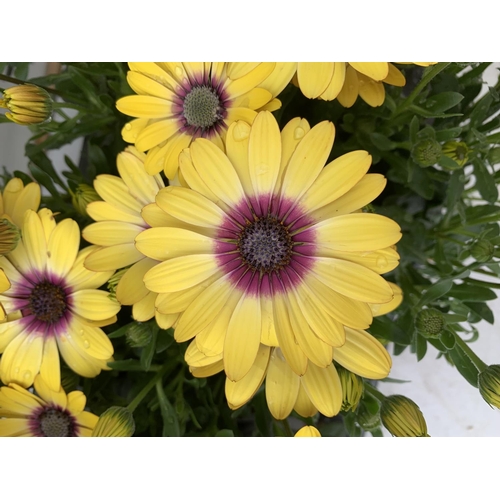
53, 305
179, 102
127, 210
345, 81
50, 413
276, 255
318, 389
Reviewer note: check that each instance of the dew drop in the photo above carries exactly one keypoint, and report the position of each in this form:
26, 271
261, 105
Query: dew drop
262, 169
27, 375
16, 370
299, 133
86, 344
381, 263
241, 131
128, 126
178, 71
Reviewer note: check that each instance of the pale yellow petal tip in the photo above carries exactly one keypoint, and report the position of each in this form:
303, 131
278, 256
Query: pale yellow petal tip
381, 309
115, 422
307, 431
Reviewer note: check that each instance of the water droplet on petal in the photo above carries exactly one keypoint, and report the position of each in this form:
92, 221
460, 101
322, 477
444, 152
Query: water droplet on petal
27, 375
299, 133
241, 131
178, 71
381, 263
16, 370
262, 169
86, 344
81, 332
128, 126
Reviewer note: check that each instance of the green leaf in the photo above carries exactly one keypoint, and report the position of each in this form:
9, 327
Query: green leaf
419, 181
472, 293
442, 102
421, 347
447, 134
385, 328
165, 340
464, 365
449, 163
455, 189
148, 351
431, 114
434, 292
225, 433
382, 142
126, 365
414, 126
482, 310
447, 339
170, 422
485, 182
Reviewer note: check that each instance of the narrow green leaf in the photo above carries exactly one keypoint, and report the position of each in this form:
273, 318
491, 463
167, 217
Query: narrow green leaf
414, 126
447, 339
482, 310
434, 292
472, 293
170, 422
442, 102
485, 182
148, 351
464, 365
421, 347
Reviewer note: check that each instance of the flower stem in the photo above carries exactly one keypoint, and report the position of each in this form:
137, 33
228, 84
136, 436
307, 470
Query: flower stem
480, 365
374, 392
144, 391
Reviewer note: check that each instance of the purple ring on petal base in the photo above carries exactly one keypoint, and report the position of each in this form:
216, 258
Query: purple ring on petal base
53, 421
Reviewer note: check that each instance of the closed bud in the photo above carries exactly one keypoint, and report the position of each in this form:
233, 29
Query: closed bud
457, 151
430, 323
426, 152
9, 236
115, 422
402, 417
489, 385
138, 334
308, 431
482, 250
27, 104
367, 420
83, 195
114, 281
352, 388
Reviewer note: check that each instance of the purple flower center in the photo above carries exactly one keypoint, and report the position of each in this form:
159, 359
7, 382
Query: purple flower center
53, 421
265, 245
48, 302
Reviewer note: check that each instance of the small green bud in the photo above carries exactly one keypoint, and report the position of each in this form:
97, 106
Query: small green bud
28, 104
489, 385
426, 152
115, 422
430, 323
402, 417
9, 236
139, 334
457, 151
352, 389
83, 195
482, 250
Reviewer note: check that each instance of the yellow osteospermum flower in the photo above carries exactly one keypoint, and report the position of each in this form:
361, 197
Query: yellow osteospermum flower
276, 255
53, 305
318, 389
345, 81
179, 102
50, 413
127, 210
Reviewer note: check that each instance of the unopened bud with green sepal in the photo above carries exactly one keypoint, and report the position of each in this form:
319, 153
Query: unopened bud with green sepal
28, 104
426, 152
489, 385
115, 422
430, 323
402, 417
352, 389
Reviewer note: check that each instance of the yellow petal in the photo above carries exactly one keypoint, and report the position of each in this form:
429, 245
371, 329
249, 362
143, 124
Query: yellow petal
109, 233
282, 386
131, 288
323, 387
395, 77
307, 431
50, 370
142, 106
349, 93
336, 83
142, 84
114, 257
375, 70
364, 355
34, 240
380, 309
372, 92
156, 133
250, 80
93, 304
303, 405
314, 77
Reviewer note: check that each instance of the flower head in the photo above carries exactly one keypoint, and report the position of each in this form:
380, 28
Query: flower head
48, 413
115, 422
53, 305
82, 196
489, 385
402, 417
179, 102
457, 151
275, 253
28, 104
127, 209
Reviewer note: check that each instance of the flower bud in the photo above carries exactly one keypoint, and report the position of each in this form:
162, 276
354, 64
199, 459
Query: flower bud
402, 417
430, 323
114, 281
457, 151
352, 388
482, 250
308, 431
83, 195
28, 104
489, 385
115, 422
9, 236
426, 152
367, 420
138, 334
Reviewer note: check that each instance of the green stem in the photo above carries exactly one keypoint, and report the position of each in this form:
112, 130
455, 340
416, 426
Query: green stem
480, 365
143, 393
434, 71
374, 392
288, 430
